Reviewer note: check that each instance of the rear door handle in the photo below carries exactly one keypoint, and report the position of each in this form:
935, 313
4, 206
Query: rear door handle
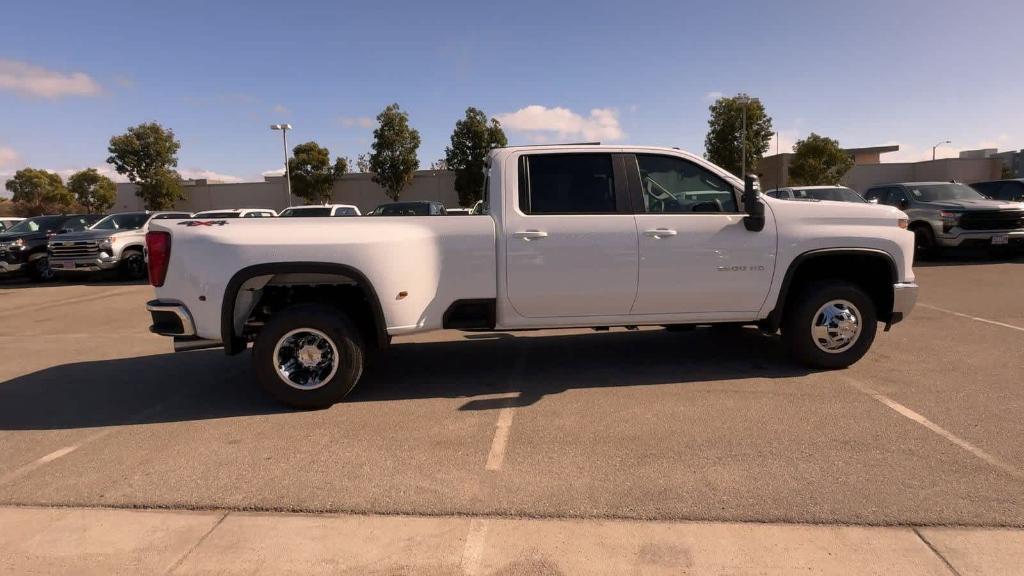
660, 232
529, 235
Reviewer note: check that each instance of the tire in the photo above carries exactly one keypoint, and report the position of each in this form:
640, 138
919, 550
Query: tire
39, 270
133, 265
925, 246
309, 334
808, 345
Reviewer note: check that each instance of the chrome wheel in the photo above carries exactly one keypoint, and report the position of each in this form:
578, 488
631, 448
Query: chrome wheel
306, 358
836, 326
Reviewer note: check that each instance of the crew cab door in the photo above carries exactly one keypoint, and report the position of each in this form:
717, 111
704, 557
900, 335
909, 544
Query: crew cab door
696, 255
570, 237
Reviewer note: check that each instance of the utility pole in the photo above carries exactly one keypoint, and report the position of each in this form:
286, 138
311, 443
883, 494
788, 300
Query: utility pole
284, 128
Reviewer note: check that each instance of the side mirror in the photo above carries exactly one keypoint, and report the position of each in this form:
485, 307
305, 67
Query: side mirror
754, 221
904, 203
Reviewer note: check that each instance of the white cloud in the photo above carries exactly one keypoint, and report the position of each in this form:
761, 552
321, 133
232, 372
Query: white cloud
281, 109
197, 174
710, 97
8, 156
275, 172
541, 122
35, 81
782, 141
357, 122
103, 169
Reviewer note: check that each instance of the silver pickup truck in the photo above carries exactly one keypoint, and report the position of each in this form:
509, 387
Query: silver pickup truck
115, 243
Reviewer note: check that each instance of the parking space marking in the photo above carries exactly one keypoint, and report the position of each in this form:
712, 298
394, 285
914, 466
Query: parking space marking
496, 457
962, 315
474, 548
918, 418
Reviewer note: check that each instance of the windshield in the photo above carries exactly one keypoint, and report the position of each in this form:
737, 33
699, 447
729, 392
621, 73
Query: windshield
122, 222
838, 194
40, 223
413, 209
951, 191
305, 212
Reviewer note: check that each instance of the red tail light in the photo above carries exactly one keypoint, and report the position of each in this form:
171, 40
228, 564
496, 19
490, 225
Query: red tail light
158, 244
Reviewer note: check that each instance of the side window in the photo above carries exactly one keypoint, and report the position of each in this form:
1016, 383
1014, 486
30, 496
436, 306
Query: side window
74, 224
674, 185
567, 184
876, 194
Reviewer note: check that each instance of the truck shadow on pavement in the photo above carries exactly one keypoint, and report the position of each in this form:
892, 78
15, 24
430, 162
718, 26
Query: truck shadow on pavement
521, 369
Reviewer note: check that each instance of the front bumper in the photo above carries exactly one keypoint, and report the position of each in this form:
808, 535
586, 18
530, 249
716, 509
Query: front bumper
904, 296
82, 265
981, 238
9, 268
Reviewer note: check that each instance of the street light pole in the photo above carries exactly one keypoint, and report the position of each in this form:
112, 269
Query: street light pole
745, 100
936, 146
284, 128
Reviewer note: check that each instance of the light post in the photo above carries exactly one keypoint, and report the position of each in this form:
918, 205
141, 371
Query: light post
284, 128
745, 100
936, 146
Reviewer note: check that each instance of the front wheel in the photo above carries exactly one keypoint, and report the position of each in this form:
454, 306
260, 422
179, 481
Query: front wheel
40, 270
133, 265
830, 325
925, 245
309, 356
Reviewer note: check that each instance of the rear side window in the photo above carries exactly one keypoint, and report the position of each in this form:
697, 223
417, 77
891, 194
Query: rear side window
567, 184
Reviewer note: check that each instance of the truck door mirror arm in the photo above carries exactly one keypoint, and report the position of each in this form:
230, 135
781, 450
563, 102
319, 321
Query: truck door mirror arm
754, 221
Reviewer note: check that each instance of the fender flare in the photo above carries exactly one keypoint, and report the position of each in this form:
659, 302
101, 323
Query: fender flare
233, 344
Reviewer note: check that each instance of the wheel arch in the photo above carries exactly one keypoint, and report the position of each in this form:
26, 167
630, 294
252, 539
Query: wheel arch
326, 273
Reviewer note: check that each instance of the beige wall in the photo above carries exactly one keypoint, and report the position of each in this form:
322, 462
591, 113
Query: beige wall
862, 177
357, 189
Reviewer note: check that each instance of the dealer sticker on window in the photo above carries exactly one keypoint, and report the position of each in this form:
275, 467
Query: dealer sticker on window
1000, 239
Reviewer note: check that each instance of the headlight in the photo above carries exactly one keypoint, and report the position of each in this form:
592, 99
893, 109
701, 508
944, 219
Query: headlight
105, 243
950, 219
16, 245
903, 223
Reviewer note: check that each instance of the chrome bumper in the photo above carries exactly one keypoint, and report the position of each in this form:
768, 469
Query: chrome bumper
904, 296
82, 265
8, 268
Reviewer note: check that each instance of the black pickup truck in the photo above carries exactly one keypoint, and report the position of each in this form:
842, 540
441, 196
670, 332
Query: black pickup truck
23, 246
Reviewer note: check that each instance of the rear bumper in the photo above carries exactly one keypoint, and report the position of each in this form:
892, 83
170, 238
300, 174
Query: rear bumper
170, 319
904, 296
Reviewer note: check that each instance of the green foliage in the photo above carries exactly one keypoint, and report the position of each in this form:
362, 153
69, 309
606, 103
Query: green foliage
818, 160
471, 140
393, 159
38, 192
363, 163
1005, 172
147, 155
93, 191
724, 142
312, 174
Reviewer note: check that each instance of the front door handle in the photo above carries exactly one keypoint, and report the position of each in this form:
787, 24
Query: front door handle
529, 235
660, 232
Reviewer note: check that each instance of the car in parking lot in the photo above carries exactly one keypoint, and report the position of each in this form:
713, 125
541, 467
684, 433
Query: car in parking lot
23, 247
114, 244
834, 193
1011, 190
409, 209
236, 213
319, 211
6, 222
951, 214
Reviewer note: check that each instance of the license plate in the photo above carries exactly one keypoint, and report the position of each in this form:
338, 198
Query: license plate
1001, 239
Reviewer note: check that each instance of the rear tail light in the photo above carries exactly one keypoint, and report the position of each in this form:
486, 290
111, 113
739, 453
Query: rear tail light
158, 244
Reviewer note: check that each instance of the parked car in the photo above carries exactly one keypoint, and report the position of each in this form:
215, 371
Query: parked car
948, 214
834, 193
1009, 190
6, 222
409, 209
236, 213
559, 249
320, 211
458, 211
115, 243
23, 246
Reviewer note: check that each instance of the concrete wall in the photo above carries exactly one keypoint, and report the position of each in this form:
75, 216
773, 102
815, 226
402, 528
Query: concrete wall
966, 170
357, 189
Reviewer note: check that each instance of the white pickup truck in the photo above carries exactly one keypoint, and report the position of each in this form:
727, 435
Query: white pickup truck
573, 236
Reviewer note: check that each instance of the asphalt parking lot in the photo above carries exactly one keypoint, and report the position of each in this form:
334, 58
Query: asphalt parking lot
704, 425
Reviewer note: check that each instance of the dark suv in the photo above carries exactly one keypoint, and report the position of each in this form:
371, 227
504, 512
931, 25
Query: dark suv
1010, 190
23, 246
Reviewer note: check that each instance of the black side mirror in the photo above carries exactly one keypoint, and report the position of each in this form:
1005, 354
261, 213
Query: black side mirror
754, 221
904, 203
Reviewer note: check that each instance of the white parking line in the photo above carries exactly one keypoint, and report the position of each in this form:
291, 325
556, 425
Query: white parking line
496, 457
474, 548
915, 417
962, 315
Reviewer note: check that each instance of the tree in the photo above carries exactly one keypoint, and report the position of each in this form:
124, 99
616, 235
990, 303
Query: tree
95, 192
818, 160
363, 163
1005, 172
393, 159
724, 142
440, 164
38, 192
147, 155
313, 175
471, 140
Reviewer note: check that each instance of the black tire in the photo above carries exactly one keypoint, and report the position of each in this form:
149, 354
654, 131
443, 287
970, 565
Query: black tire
39, 270
803, 311
925, 246
133, 265
338, 330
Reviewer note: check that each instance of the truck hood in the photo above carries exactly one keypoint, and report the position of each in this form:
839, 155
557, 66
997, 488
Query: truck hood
974, 205
833, 211
88, 235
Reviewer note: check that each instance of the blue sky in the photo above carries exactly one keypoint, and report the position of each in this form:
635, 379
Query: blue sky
74, 73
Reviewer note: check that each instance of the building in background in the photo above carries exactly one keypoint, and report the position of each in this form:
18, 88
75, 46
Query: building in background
869, 170
357, 189
1013, 160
